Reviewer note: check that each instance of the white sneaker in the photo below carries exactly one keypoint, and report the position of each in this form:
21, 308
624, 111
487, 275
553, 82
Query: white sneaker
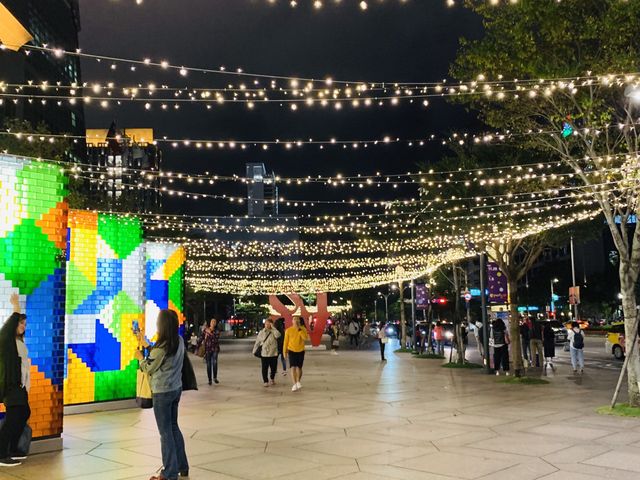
294, 388
299, 385
497, 373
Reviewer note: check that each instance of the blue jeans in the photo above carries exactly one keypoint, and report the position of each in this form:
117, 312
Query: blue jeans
174, 456
212, 365
577, 358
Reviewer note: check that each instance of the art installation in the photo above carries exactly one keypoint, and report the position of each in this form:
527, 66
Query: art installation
316, 322
33, 219
105, 296
164, 289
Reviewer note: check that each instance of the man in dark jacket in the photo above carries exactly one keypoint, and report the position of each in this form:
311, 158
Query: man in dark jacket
537, 350
279, 324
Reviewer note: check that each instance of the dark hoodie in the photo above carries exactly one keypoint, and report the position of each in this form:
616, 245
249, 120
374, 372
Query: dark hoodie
10, 366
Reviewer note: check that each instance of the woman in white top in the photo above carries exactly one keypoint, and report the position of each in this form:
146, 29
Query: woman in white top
383, 340
15, 382
268, 340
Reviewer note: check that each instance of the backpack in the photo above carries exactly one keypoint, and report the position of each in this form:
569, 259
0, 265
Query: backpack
498, 337
578, 341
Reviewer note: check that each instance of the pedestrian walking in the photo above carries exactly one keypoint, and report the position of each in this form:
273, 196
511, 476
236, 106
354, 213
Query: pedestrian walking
549, 344
293, 350
211, 339
525, 335
382, 340
354, 331
15, 383
576, 347
499, 340
479, 332
438, 337
164, 367
267, 343
279, 325
537, 351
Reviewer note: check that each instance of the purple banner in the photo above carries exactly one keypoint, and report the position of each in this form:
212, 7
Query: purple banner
422, 296
497, 284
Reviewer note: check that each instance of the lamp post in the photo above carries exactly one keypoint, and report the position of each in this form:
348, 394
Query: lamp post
553, 307
386, 304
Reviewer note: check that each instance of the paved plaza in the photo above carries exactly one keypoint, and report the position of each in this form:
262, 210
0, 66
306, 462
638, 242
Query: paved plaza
359, 419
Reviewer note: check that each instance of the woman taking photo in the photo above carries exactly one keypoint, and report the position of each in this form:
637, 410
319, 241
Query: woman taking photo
164, 367
211, 338
15, 382
268, 341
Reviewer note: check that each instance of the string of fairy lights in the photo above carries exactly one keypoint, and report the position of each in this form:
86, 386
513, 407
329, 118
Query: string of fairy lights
367, 255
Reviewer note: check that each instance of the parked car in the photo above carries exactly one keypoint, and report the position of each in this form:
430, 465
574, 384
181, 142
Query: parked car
614, 342
559, 330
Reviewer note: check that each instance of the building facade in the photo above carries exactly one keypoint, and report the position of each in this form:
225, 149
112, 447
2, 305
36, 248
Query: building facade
55, 23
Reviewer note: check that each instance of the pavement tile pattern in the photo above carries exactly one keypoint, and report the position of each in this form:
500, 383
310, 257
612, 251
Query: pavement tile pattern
359, 419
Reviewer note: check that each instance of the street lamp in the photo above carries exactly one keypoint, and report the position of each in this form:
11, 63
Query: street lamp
553, 307
386, 304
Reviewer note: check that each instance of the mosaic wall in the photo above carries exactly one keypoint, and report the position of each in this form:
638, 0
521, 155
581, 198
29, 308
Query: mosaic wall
164, 285
33, 218
105, 296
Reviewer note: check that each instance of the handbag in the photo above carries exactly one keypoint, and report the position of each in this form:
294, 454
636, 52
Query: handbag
189, 381
200, 352
258, 350
24, 442
144, 397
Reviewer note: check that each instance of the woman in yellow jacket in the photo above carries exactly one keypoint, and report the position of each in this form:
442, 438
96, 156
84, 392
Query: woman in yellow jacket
293, 349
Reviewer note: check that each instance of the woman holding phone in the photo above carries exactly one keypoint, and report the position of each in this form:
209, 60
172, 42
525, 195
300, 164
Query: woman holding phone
164, 366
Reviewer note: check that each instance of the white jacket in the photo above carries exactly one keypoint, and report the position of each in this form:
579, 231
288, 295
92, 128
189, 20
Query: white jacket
269, 341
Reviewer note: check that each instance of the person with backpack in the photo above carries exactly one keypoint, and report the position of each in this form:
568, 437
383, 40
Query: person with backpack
267, 342
499, 340
354, 332
576, 347
15, 382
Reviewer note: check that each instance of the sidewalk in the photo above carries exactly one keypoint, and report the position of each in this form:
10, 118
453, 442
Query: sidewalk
359, 419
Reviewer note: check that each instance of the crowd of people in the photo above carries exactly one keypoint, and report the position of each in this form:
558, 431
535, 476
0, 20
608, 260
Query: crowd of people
165, 361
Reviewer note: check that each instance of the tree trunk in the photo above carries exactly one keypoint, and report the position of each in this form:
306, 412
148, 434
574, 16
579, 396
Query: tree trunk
517, 364
627, 288
403, 320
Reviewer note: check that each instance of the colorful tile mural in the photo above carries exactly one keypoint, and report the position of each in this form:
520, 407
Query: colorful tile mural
33, 219
105, 296
164, 286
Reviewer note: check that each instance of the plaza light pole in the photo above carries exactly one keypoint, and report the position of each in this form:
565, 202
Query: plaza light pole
553, 306
386, 304
573, 275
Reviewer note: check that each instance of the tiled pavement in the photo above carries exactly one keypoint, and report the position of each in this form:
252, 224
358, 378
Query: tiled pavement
358, 419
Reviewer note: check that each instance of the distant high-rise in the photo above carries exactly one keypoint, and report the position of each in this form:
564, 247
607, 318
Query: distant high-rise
55, 23
262, 191
123, 157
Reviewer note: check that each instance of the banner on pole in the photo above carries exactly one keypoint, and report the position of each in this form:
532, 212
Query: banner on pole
497, 284
422, 296
574, 295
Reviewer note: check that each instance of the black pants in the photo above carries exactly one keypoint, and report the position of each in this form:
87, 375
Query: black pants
353, 339
212, 365
382, 345
501, 358
12, 428
269, 363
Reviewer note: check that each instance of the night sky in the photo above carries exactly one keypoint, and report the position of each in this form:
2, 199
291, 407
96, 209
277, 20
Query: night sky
390, 42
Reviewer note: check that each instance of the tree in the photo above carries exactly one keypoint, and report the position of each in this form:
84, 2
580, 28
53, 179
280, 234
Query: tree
547, 39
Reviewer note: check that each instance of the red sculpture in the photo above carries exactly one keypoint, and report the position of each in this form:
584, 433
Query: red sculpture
316, 322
